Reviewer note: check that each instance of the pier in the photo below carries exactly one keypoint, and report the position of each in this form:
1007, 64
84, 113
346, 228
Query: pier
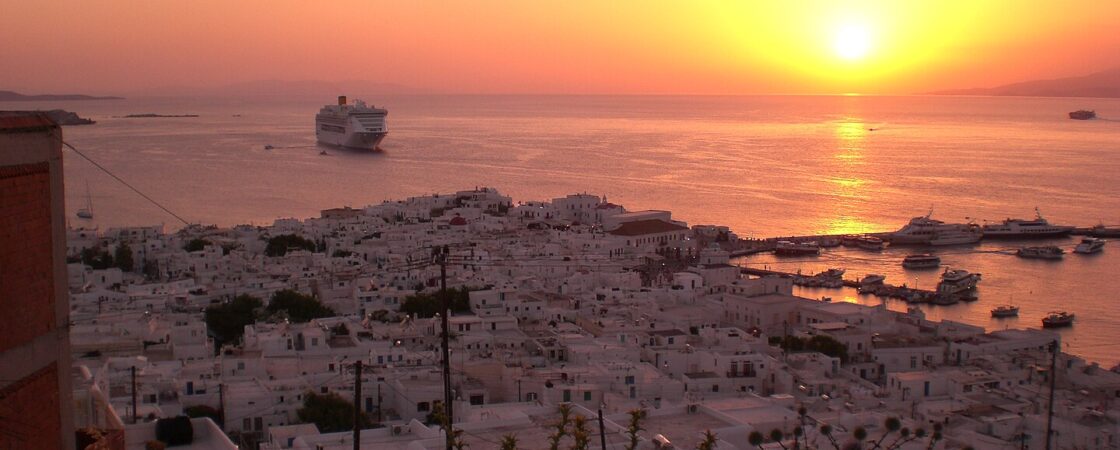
904, 293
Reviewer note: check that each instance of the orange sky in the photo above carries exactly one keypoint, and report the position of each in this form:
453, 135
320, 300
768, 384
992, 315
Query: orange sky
538, 46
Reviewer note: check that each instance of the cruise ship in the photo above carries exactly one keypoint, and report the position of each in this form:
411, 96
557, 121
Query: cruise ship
923, 230
1021, 228
353, 126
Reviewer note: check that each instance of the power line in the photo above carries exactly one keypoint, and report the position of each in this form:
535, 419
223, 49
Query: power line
119, 179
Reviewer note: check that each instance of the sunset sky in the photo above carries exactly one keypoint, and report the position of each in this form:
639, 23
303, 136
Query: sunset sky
482, 46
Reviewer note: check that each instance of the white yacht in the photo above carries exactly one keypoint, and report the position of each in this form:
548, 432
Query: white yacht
965, 234
1089, 245
923, 230
1022, 228
956, 281
354, 126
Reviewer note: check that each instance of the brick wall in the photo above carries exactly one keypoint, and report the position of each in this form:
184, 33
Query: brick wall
29, 412
26, 281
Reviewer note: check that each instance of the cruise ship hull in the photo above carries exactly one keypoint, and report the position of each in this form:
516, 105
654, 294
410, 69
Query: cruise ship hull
1009, 234
359, 141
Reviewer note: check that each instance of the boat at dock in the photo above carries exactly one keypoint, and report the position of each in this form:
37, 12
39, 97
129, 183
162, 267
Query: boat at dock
790, 248
1022, 228
872, 279
968, 234
956, 281
871, 243
1083, 114
1089, 245
353, 126
1057, 319
1005, 311
1099, 230
1045, 252
922, 230
922, 261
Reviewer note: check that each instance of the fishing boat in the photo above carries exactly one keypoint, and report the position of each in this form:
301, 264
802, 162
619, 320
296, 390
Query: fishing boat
1057, 319
870, 243
921, 261
1083, 114
1005, 311
1045, 252
872, 279
1089, 245
957, 281
789, 248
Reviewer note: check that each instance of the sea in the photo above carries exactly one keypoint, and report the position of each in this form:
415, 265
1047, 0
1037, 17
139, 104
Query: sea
763, 165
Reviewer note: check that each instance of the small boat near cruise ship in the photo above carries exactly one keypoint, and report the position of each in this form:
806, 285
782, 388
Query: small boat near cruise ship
1046, 252
1057, 319
1005, 311
353, 126
1089, 245
1083, 114
1022, 228
922, 261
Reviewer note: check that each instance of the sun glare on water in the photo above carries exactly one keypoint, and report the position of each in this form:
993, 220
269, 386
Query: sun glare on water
852, 42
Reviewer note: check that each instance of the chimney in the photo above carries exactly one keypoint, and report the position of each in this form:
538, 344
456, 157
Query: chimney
342, 100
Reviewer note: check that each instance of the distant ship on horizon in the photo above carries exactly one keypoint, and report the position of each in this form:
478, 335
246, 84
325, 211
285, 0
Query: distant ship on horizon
355, 126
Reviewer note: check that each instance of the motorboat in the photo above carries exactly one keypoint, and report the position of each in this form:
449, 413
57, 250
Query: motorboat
1057, 319
790, 248
921, 261
923, 230
872, 279
1005, 311
1022, 228
870, 243
957, 281
970, 234
1046, 252
1089, 245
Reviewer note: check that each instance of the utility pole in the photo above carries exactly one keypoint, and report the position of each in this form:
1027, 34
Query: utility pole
222, 404
1053, 379
357, 405
602, 431
441, 255
134, 414
519, 390
379, 402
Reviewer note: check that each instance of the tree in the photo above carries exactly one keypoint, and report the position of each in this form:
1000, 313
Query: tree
300, 308
634, 427
423, 306
122, 257
580, 434
755, 439
561, 427
509, 442
709, 441
330, 413
227, 321
279, 245
96, 258
196, 244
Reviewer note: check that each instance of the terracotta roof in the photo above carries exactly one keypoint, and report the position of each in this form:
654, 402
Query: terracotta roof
15, 121
642, 227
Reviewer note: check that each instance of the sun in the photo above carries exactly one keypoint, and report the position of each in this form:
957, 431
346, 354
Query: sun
852, 42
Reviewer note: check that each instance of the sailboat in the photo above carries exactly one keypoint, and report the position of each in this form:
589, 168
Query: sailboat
87, 212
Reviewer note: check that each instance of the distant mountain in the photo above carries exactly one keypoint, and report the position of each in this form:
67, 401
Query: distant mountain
298, 88
1101, 84
9, 96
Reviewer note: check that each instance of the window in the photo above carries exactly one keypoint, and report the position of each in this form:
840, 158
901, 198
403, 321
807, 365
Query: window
587, 396
423, 407
257, 422
913, 362
247, 424
629, 379
567, 395
477, 399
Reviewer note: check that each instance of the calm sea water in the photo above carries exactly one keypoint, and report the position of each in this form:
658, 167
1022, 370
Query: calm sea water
764, 165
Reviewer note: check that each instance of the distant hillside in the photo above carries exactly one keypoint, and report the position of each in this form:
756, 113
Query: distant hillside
300, 88
1101, 84
9, 96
